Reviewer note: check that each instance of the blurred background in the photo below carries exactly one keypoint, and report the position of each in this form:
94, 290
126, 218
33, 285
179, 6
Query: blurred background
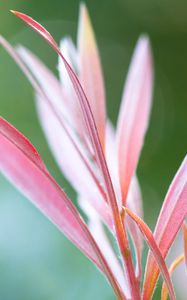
36, 260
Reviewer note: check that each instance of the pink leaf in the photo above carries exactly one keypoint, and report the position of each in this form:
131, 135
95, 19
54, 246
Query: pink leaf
155, 251
111, 159
100, 236
134, 203
169, 222
49, 102
97, 148
90, 70
184, 227
23, 166
21, 163
134, 199
87, 113
70, 53
67, 156
70, 162
174, 265
36, 26
134, 113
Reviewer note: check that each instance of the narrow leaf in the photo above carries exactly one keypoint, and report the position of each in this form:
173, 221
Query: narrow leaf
184, 229
87, 113
69, 159
96, 228
71, 164
90, 71
21, 163
23, 166
134, 113
134, 199
172, 215
36, 26
174, 265
70, 53
154, 249
49, 100
97, 149
134, 203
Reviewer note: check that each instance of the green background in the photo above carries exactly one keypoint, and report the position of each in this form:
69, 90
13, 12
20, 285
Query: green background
36, 260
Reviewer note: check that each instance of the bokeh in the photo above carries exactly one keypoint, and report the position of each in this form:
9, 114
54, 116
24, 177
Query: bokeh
36, 260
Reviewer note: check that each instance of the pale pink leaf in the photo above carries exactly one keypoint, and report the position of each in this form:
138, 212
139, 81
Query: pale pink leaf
99, 234
134, 203
90, 71
134, 200
111, 159
70, 162
172, 215
134, 113
47, 82
70, 53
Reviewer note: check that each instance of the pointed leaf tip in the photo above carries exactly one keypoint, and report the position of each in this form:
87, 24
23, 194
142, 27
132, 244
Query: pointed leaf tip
134, 113
174, 265
149, 238
91, 75
37, 27
170, 220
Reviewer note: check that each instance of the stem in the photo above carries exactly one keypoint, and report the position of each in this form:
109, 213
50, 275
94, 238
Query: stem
127, 259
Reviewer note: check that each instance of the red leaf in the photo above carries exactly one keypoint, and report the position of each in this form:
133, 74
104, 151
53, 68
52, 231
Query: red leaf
36, 26
148, 236
170, 220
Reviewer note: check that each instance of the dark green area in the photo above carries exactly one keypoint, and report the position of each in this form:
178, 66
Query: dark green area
36, 261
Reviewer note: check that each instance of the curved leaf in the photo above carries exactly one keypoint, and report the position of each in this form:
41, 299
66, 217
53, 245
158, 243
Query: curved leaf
100, 236
172, 215
21, 163
98, 152
154, 250
69, 159
87, 113
174, 265
50, 107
